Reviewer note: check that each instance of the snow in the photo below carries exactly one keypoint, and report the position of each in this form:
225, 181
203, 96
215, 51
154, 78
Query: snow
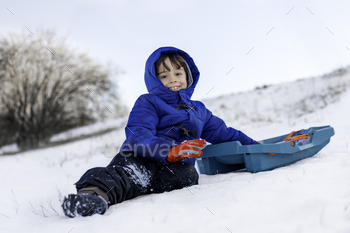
76, 133
312, 195
139, 175
86, 130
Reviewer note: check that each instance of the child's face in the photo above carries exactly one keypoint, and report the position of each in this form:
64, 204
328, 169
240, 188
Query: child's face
175, 79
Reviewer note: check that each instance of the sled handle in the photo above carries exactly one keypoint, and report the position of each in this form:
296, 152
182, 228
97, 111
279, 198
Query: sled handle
296, 138
292, 139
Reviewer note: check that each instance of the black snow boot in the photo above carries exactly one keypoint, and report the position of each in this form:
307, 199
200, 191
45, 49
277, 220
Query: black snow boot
84, 204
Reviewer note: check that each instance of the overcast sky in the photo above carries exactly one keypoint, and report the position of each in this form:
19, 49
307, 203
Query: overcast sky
237, 45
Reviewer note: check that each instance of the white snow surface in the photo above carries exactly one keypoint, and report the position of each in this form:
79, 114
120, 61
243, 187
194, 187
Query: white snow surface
312, 195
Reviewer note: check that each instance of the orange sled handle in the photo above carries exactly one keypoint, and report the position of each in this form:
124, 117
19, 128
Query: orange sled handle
292, 139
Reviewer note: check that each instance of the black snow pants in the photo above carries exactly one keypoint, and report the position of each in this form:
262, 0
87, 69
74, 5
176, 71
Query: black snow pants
128, 176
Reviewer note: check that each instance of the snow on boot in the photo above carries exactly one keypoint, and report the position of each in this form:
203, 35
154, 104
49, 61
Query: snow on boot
84, 204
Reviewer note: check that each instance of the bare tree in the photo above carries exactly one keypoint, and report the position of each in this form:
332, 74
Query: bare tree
47, 88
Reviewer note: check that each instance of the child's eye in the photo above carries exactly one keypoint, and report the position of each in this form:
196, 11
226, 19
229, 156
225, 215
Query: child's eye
161, 77
178, 74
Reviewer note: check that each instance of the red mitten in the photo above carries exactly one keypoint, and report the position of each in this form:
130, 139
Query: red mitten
186, 150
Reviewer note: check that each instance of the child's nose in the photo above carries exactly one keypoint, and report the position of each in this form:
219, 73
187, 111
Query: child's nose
172, 78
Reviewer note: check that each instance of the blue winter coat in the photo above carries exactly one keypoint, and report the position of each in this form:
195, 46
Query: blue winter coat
164, 118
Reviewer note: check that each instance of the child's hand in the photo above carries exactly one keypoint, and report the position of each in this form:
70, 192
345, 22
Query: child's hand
186, 150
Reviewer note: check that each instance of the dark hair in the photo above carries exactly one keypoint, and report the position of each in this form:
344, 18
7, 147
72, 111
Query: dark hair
176, 61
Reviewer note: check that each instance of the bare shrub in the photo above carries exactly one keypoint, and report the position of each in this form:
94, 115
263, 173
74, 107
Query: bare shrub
47, 88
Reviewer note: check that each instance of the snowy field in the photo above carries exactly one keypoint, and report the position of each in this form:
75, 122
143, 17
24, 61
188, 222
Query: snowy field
312, 195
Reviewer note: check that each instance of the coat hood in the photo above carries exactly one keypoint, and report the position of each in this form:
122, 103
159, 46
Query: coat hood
156, 87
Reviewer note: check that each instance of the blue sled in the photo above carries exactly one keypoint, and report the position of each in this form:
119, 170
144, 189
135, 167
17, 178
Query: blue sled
270, 154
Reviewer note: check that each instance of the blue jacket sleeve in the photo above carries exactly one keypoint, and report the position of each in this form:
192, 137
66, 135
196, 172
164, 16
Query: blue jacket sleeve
141, 132
215, 131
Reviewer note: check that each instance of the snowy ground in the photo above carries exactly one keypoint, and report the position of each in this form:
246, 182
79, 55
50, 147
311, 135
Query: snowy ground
312, 195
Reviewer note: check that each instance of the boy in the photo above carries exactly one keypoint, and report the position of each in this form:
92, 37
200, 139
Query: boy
166, 130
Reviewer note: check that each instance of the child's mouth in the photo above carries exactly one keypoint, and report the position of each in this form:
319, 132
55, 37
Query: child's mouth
174, 88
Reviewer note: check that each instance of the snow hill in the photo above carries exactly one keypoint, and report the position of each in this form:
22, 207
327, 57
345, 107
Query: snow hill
312, 195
